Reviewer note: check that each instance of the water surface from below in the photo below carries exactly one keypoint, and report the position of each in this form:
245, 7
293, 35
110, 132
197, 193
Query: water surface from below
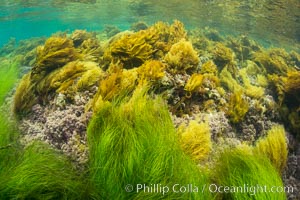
273, 23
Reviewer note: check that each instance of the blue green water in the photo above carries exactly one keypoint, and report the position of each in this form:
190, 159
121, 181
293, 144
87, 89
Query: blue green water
272, 22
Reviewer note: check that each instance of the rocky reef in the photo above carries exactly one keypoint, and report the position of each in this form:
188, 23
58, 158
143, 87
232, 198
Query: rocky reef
225, 96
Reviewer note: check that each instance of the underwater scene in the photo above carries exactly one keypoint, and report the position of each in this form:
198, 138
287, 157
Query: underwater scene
146, 99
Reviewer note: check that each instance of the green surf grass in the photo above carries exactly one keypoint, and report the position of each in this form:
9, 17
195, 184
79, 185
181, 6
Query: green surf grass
44, 174
135, 143
8, 77
37, 172
9, 151
238, 168
8, 133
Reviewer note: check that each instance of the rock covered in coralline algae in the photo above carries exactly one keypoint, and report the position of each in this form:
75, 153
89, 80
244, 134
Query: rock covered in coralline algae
62, 126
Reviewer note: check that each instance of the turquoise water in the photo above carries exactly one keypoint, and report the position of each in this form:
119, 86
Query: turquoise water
273, 23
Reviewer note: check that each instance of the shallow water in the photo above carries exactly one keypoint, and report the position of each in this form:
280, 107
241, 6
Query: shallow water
158, 104
273, 23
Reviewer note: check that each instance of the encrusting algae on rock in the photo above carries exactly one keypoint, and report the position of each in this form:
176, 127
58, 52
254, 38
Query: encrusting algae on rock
219, 93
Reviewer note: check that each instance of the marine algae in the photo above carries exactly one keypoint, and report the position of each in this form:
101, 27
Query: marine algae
237, 107
87, 44
292, 87
277, 85
210, 81
24, 97
222, 55
182, 57
272, 61
209, 67
79, 36
151, 70
251, 90
194, 83
77, 74
133, 49
167, 35
293, 120
56, 52
274, 146
195, 140
55, 71
117, 83
243, 47
262, 80
287, 90
73, 77
228, 81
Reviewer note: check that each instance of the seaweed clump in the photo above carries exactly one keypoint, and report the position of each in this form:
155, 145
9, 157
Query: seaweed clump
195, 140
223, 56
87, 45
56, 52
287, 90
133, 49
274, 146
292, 88
54, 72
274, 61
291, 92
118, 82
237, 107
182, 57
152, 70
194, 83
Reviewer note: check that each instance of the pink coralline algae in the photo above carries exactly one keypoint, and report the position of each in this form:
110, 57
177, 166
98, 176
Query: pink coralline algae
61, 125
